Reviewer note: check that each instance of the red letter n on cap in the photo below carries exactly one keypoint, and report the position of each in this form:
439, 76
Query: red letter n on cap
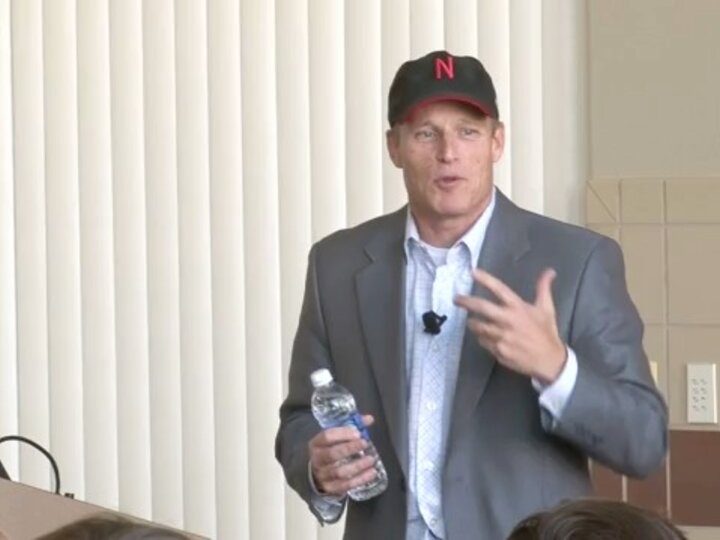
446, 67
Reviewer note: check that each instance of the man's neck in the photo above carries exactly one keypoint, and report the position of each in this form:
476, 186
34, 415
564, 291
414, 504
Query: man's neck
442, 235
446, 232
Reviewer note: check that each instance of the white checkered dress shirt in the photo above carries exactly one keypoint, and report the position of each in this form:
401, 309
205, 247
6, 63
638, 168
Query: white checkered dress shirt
434, 277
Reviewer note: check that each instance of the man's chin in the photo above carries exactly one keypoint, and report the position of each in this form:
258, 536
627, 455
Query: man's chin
452, 213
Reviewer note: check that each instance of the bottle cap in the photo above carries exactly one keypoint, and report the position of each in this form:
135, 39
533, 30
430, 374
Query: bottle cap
321, 377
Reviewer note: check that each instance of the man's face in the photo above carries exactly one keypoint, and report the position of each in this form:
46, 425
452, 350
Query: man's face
447, 151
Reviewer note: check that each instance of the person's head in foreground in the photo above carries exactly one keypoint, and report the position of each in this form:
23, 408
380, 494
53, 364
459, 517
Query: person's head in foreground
111, 528
596, 519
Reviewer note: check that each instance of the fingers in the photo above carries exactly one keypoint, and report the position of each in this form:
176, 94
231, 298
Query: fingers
495, 339
340, 479
507, 298
479, 306
543, 296
334, 436
331, 441
522, 336
497, 312
501, 291
337, 460
330, 455
488, 333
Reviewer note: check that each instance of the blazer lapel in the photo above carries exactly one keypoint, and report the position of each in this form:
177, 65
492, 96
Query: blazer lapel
506, 240
381, 298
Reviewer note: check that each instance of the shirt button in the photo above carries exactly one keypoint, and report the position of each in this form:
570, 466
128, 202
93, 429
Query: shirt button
431, 406
429, 466
433, 521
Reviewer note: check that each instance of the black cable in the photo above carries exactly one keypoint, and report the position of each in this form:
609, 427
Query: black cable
35, 445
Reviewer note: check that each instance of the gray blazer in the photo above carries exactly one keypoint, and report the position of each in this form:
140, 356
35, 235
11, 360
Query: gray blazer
506, 458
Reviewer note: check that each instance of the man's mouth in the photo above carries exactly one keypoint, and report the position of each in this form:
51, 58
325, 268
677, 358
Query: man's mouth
447, 180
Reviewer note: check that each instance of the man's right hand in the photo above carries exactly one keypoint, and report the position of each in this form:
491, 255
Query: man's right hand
329, 449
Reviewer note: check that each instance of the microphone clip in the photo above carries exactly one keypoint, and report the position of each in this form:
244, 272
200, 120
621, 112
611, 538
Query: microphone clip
433, 322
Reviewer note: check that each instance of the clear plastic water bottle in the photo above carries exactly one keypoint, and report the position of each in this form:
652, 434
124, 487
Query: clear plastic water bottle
333, 406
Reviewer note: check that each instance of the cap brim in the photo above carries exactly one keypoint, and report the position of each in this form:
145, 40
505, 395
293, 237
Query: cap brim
479, 105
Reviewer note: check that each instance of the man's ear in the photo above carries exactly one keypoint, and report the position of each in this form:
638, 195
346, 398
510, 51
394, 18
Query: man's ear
498, 141
392, 139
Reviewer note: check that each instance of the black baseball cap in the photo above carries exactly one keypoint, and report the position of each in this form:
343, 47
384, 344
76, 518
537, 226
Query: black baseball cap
440, 76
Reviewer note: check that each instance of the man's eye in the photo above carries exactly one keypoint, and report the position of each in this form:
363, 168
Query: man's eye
424, 134
469, 132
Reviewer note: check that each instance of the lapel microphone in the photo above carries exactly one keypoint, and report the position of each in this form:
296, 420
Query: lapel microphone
433, 322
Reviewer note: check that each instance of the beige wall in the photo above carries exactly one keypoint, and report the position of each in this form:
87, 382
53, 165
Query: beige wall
670, 234
655, 163
655, 186
654, 87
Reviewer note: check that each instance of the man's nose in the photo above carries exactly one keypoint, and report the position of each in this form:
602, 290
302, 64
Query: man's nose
447, 149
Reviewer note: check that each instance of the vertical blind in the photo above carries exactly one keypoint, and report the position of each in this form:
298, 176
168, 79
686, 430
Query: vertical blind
165, 166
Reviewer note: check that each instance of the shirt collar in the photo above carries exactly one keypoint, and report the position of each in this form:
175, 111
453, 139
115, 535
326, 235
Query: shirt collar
473, 237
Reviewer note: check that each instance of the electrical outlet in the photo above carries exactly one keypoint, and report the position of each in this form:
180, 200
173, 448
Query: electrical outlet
701, 394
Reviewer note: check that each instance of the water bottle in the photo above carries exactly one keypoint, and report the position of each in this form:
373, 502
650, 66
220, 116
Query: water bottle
333, 406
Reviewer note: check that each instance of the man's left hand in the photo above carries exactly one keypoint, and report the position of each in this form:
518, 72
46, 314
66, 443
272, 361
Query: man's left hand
522, 336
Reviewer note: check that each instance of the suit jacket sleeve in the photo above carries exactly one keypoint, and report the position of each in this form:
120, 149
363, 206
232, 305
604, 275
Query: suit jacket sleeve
615, 413
297, 425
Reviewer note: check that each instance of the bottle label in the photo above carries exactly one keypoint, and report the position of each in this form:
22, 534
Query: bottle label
357, 421
354, 420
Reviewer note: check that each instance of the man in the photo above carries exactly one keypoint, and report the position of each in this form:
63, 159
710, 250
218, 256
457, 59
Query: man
477, 428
